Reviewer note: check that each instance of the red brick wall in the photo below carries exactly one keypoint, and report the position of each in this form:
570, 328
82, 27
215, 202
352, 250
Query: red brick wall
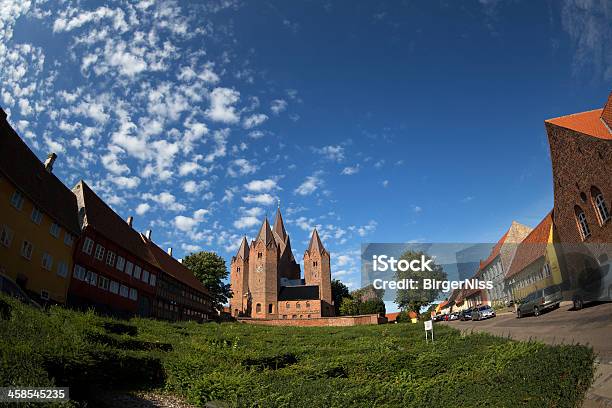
320, 322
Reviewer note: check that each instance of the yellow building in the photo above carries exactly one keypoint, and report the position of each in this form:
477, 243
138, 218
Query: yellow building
38, 222
535, 265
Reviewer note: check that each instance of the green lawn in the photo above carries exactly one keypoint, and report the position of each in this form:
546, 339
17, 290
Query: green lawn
241, 365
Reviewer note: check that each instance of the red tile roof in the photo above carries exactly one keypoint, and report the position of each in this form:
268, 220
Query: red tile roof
589, 123
533, 246
23, 169
495, 251
391, 317
107, 222
173, 267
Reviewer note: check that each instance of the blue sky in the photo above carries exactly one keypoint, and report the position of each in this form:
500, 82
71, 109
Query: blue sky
374, 121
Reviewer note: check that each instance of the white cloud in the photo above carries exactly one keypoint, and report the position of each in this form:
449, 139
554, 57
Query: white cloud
334, 153
187, 224
241, 167
254, 120
261, 185
309, 185
221, 105
142, 208
278, 105
166, 200
350, 170
220, 147
125, 182
188, 168
117, 16
263, 199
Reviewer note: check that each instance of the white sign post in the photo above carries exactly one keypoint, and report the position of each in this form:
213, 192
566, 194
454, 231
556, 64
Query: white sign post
429, 328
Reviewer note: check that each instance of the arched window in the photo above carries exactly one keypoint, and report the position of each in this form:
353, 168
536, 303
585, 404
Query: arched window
238, 270
600, 205
298, 305
258, 308
583, 225
288, 305
308, 305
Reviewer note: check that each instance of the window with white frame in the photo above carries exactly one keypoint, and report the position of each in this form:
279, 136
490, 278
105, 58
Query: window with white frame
133, 294
546, 270
124, 291
120, 263
99, 252
36, 216
114, 287
103, 283
68, 238
91, 278
137, 271
62, 269
47, 261
600, 206
583, 225
145, 276
88, 245
79, 272
6, 236
110, 258
129, 268
55, 230
17, 200
153, 279
26, 249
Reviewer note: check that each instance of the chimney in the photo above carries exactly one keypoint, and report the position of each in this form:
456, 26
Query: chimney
49, 162
130, 219
148, 234
170, 251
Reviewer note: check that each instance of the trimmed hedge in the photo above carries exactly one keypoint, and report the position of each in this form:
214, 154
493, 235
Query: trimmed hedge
259, 366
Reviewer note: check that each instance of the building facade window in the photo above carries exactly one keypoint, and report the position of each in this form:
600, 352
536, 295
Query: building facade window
6, 236
129, 268
47, 261
26, 249
288, 305
103, 283
17, 200
137, 271
308, 305
298, 305
120, 263
36, 216
600, 205
114, 287
91, 278
99, 252
79, 272
152, 279
88, 245
68, 238
133, 294
583, 225
124, 291
270, 308
62, 269
55, 230
145, 276
110, 258
258, 308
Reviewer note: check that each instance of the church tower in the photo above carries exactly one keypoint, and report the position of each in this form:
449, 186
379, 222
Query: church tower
263, 274
317, 271
239, 280
287, 266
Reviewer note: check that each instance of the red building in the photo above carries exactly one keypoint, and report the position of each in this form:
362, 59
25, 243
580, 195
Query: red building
114, 272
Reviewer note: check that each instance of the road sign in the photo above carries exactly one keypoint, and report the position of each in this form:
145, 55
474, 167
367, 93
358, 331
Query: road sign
429, 328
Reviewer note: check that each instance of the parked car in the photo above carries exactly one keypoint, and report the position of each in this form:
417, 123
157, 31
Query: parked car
453, 316
438, 318
465, 315
483, 312
540, 300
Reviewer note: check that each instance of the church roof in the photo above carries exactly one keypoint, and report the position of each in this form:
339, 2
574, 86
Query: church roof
243, 251
279, 226
265, 233
304, 292
315, 243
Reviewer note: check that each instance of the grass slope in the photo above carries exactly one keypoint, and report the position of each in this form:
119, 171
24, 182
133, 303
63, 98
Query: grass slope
241, 365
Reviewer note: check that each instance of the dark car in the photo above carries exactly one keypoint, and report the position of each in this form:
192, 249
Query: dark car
465, 315
483, 312
540, 300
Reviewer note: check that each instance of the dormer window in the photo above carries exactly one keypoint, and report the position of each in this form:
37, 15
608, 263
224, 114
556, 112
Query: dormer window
583, 225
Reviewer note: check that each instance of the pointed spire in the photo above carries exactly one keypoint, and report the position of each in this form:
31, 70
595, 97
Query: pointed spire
243, 251
279, 226
315, 243
265, 233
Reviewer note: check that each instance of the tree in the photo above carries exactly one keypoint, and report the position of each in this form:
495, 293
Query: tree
210, 269
415, 299
339, 291
349, 307
372, 306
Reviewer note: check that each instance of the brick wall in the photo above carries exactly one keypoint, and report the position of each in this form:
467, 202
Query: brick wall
321, 321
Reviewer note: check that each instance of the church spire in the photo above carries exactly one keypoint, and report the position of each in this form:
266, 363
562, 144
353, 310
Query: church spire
315, 243
279, 226
243, 251
265, 233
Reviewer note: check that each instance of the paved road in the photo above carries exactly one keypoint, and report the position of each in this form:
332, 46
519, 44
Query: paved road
591, 325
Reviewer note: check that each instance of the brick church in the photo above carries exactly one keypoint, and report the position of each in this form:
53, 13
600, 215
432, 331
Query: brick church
266, 279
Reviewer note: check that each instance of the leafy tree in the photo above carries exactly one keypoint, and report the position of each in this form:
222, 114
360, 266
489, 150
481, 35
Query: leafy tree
372, 306
349, 307
415, 299
210, 269
367, 293
339, 292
